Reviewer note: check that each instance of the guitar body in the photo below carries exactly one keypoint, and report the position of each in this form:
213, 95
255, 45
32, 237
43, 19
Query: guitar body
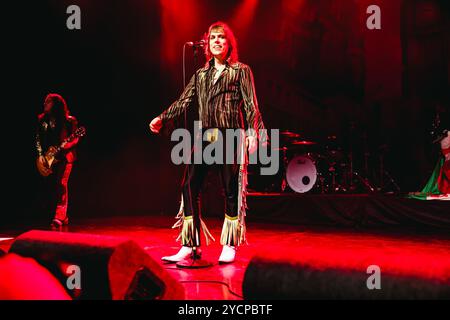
44, 164
43, 167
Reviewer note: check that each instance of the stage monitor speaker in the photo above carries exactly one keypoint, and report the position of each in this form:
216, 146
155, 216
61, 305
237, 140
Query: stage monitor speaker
99, 267
267, 278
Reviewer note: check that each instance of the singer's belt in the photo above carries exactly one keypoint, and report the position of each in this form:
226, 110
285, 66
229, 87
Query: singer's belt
212, 134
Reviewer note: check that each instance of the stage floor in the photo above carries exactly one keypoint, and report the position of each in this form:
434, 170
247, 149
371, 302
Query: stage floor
425, 255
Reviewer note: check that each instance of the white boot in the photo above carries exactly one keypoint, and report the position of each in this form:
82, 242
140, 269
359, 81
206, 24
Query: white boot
228, 254
184, 253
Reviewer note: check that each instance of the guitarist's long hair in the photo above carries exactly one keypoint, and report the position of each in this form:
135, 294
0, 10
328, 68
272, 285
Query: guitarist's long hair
59, 110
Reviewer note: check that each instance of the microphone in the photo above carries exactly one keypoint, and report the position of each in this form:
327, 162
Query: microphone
200, 43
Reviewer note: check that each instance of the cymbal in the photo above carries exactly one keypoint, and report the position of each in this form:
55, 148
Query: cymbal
304, 143
290, 134
281, 149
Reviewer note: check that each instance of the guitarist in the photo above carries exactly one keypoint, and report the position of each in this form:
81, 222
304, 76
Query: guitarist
55, 124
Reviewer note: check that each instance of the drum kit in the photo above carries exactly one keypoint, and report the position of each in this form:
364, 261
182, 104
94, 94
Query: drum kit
308, 166
311, 167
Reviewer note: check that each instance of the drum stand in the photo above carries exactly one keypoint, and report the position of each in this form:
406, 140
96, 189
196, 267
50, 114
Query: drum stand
335, 187
321, 184
384, 174
283, 184
354, 175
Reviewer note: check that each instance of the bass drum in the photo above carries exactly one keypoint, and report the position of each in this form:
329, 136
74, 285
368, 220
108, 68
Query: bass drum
301, 173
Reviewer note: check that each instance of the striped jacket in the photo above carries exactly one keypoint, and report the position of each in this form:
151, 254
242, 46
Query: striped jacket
229, 103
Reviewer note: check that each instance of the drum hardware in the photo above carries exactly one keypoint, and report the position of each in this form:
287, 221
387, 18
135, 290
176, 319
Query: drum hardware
303, 143
355, 178
324, 167
321, 183
290, 134
335, 187
285, 164
382, 187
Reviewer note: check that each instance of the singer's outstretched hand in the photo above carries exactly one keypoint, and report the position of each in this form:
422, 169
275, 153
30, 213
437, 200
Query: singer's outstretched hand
251, 143
156, 125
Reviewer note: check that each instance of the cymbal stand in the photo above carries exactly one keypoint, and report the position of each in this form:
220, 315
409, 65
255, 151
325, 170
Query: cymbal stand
385, 174
285, 164
354, 174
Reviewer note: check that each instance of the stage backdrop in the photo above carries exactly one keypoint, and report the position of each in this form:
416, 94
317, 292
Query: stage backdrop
318, 71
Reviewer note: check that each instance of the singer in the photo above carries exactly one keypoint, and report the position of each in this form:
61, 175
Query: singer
225, 93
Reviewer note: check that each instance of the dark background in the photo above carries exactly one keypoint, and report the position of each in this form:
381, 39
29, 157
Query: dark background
318, 71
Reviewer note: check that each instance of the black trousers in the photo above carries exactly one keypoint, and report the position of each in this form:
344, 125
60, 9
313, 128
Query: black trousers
195, 175
56, 189
193, 181
192, 184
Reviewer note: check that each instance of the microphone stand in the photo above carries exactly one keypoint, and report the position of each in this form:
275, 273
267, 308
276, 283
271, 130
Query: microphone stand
194, 261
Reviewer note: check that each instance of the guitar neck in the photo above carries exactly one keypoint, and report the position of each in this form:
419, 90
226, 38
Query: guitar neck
67, 140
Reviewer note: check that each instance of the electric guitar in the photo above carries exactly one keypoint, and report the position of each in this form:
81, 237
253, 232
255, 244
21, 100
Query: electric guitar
45, 167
